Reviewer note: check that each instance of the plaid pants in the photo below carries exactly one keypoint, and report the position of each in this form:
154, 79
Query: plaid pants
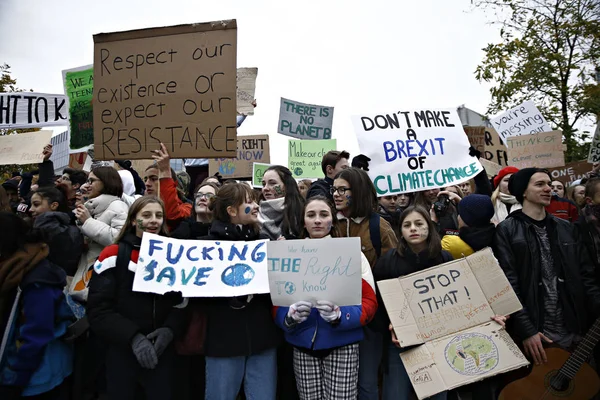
334, 377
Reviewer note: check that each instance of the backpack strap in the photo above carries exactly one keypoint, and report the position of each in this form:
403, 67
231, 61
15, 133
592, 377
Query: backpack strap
375, 232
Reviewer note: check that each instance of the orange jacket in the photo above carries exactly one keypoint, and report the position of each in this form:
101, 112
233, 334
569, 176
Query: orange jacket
175, 209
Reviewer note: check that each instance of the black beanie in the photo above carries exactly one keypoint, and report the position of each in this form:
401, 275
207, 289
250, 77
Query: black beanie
518, 182
476, 210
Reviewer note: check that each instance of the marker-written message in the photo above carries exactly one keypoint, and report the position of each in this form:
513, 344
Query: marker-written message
305, 121
22, 110
79, 87
523, 119
258, 171
415, 150
175, 85
594, 155
305, 157
250, 149
311, 270
571, 171
23, 148
201, 268
541, 150
246, 86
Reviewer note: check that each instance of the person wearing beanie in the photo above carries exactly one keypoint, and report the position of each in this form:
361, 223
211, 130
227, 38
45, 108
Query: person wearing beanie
503, 200
543, 262
476, 231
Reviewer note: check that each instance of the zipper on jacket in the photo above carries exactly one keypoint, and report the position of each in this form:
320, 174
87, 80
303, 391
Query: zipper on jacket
312, 346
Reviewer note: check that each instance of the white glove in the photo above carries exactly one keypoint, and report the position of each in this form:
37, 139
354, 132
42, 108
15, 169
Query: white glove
298, 312
329, 311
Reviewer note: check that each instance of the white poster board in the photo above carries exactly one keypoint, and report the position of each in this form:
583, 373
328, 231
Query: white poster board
23, 148
594, 155
246, 86
520, 120
304, 121
22, 110
201, 268
415, 150
312, 270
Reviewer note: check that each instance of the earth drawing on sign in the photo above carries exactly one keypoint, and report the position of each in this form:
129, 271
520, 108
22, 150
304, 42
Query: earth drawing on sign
472, 354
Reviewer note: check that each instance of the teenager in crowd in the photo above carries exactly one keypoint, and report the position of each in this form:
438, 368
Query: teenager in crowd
71, 179
356, 201
333, 163
151, 180
101, 219
559, 206
389, 210
303, 186
52, 217
467, 187
577, 195
281, 210
325, 336
419, 248
546, 269
198, 225
504, 202
33, 316
139, 328
558, 188
444, 204
241, 337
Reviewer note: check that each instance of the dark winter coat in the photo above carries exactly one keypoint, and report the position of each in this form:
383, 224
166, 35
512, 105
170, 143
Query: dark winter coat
191, 229
64, 239
321, 187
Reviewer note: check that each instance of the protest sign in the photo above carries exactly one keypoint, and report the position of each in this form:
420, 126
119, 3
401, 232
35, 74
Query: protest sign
571, 171
258, 171
246, 85
201, 268
452, 304
491, 169
23, 148
495, 149
80, 160
541, 150
523, 119
415, 150
476, 136
311, 270
304, 121
250, 149
594, 155
23, 110
79, 86
460, 359
175, 85
305, 156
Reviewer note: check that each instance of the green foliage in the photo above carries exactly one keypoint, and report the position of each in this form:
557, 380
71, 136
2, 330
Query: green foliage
549, 53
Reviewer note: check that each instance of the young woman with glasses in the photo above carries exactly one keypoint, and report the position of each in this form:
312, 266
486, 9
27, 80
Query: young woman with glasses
198, 225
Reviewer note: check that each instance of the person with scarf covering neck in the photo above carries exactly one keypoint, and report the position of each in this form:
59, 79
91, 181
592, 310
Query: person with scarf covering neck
33, 315
504, 202
280, 213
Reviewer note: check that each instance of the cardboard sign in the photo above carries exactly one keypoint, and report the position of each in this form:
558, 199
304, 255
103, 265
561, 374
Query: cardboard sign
305, 157
495, 149
79, 86
304, 121
246, 86
541, 150
524, 119
415, 150
594, 155
23, 110
250, 149
311, 270
258, 171
201, 268
491, 169
78, 160
175, 85
476, 136
459, 359
23, 148
571, 171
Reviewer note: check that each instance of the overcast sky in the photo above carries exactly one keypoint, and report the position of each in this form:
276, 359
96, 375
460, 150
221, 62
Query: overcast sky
356, 56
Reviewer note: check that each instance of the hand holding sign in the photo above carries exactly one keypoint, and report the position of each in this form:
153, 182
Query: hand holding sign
298, 313
329, 311
163, 161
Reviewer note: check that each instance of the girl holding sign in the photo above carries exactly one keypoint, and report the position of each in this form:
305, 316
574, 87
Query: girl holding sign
139, 328
325, 336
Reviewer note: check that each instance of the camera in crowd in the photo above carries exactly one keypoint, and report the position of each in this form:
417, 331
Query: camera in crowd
440, 207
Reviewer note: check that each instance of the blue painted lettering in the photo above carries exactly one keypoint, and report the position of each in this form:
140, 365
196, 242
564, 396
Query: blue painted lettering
154, 246
170, 258
202, 273
169, 273
150, 269
186, 279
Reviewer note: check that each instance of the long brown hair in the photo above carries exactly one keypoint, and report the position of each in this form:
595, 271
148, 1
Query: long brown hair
230, 195
135, 208
334, 232
434, 243
200, 186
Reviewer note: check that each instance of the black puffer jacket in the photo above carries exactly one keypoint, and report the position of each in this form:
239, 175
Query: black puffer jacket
64, 240
236, 326
518, 251
116, 312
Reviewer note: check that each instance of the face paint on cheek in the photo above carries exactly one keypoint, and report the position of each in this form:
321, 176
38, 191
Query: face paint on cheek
140, 224
247, 210
278, 190
348, 199
424, 232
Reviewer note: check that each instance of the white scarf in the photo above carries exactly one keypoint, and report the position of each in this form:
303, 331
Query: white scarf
500, 207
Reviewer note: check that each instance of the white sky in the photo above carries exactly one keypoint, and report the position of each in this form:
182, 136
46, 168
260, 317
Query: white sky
356, 56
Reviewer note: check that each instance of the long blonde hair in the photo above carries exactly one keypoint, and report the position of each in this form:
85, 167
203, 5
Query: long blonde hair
135, 208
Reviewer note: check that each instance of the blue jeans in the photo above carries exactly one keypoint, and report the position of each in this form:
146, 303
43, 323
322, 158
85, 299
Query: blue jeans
224, 376
396, 383
370, 351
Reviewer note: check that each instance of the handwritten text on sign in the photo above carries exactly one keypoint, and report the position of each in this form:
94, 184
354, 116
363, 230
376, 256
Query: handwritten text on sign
541, 150
305, 157
521, 120
201, 268
594, 154
79, 87
31, 110
250, 149
311, 270
305, 121
23, 148
415, 150
175, 85
258, 171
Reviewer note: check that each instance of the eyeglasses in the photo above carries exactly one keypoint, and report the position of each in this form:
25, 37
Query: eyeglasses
91, 180
341, 190
206, 196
